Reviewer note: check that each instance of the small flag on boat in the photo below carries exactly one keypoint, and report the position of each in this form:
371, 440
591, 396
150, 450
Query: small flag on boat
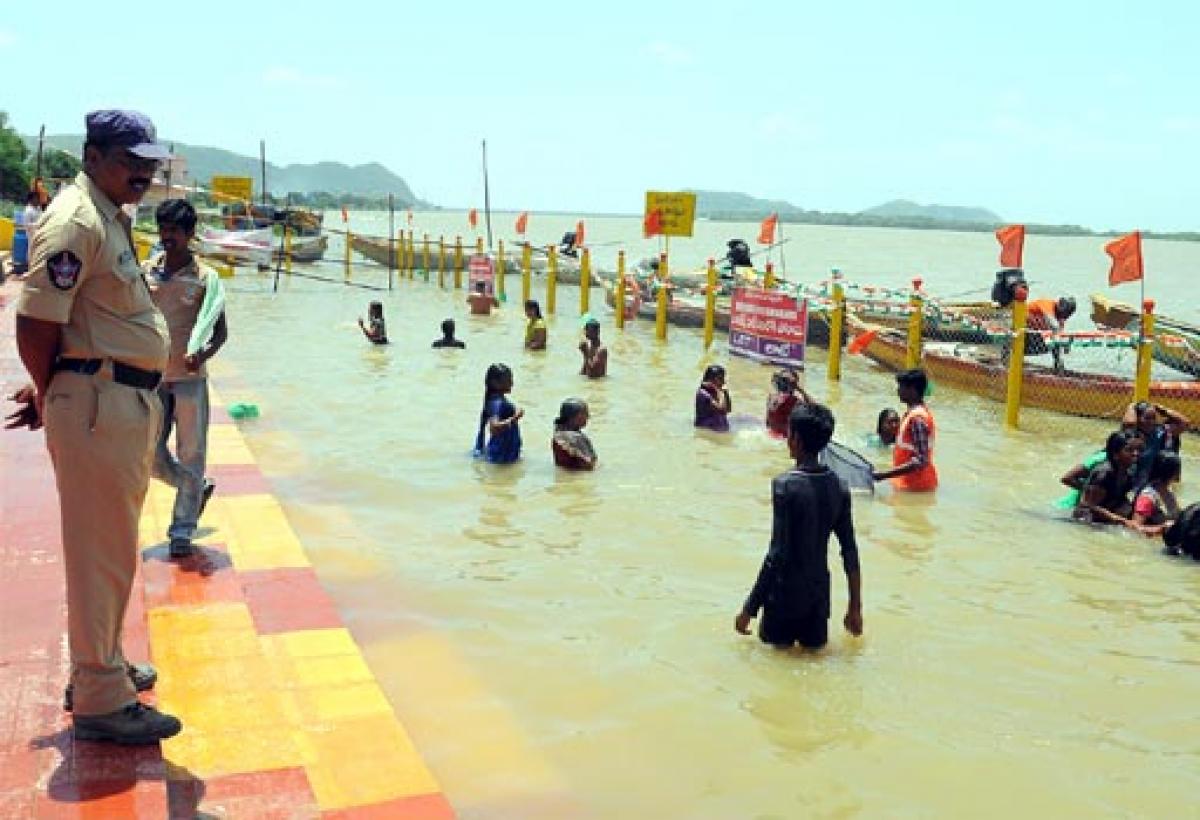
522, 223
652, 225
861, 342
345, 216
473, 217
579, 234
1012, 243
1126, 254
766, 232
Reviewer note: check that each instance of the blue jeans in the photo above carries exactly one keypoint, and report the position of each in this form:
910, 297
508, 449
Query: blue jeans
185, 407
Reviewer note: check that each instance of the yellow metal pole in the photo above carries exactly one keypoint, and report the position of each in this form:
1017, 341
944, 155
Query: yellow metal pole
287, 248
458, 263
526, 271
425, 255
1141, 385
710, 305
912, 356
660, 320
551, 279
837, 320
619, 302
441, 262
501, 269
585, 281
349, 240
479, 244
1016, 360
769, 278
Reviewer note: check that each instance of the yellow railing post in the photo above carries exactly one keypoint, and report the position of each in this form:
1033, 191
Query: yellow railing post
526, 271
287, 248
710, 305
349, 242
619, 303
1016, 360
912, 357
660, 319
458, 263
425, 255
837, 321
769, 278
1141, 385
401, 252
479, 244
585, 282
551, 279
410, 261
441, 262
501, 269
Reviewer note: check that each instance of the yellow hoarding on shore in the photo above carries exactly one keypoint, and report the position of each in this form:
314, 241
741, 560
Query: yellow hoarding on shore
676, 211
232, 188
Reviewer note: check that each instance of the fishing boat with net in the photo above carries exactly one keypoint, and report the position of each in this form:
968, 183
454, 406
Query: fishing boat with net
1176, 343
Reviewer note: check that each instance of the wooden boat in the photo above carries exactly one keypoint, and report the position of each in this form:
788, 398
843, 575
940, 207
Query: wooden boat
306, 248
960, 322
1176, 343
377, 250
980, 370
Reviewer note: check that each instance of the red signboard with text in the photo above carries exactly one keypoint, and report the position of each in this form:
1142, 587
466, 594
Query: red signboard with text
768, 326
481, 269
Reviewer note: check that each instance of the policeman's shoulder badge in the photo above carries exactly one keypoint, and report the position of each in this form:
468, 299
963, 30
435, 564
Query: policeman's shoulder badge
64, 268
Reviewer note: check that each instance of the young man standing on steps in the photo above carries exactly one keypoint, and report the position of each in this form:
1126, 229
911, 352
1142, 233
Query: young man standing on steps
192, 300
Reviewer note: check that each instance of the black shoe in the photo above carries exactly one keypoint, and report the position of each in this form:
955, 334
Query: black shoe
142, 675
132, 725
181, 548
210, 486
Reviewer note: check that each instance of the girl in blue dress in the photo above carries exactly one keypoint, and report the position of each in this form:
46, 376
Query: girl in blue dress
498, 419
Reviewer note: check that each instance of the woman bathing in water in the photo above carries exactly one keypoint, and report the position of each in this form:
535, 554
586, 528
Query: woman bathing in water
1156, 508
712, 400
375, 329
571, 447
787, 395
887, 426
498, 419
1105, 497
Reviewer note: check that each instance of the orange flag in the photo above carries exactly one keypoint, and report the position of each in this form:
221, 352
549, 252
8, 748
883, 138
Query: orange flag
473, 217
1126, 254
861, 342
1012, 243
579, 234
652, 225
522, 222
345, 216
766, 233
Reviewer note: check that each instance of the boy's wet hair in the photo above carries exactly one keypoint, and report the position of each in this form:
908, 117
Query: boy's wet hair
915, 379
569, 410
532, 304
713, 371
813, 425
448, 327
178, 213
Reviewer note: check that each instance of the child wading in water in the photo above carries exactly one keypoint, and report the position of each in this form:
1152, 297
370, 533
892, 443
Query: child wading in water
499, 418
375, 328
571, 446
809, 503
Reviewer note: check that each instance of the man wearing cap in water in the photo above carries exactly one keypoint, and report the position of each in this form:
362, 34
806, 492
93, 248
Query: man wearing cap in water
95, 346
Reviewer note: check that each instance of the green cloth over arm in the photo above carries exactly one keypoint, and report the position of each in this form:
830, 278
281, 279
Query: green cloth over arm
210, 311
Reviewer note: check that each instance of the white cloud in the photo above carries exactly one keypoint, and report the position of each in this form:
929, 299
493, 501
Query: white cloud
291, 77
668, 54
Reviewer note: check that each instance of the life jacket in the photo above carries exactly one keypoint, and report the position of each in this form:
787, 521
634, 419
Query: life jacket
925, 478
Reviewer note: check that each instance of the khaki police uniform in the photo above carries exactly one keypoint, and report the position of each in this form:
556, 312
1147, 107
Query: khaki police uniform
100, 429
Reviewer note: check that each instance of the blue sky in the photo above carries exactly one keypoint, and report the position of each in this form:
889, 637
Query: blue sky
1044, 112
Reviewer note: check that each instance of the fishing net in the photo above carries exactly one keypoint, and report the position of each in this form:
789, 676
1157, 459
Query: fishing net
850, 466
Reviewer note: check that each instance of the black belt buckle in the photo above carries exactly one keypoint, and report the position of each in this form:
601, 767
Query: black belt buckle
87, 367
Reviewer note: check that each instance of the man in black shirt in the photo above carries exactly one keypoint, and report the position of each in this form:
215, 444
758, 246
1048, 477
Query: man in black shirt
810, 502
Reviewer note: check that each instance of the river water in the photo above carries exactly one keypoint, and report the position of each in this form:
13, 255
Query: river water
562, 645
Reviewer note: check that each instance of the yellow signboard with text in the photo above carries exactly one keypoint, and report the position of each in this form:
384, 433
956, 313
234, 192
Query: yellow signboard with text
676, 211
226, 189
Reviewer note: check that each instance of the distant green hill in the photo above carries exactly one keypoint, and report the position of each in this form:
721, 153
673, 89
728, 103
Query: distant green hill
369, 180
906, 209
729, 202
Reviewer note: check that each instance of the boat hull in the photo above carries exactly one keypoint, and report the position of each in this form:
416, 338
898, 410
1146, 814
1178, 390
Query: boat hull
1176, 344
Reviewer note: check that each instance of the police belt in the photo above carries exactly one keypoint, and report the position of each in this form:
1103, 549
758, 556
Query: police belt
122, 373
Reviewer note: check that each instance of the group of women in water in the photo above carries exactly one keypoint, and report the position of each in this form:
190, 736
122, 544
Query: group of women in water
1131, 482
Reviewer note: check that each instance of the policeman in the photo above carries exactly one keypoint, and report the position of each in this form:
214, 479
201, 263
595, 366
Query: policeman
95, 346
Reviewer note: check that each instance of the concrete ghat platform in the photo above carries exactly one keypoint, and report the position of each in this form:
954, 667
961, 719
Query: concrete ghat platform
282, 717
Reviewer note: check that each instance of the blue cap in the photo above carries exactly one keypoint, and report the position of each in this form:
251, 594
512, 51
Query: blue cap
130, 130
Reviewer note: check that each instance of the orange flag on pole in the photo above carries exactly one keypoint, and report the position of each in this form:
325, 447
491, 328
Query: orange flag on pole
766, 233
1126, 254
579, 234
522, 222
652, 225
1012, 244
473, 217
